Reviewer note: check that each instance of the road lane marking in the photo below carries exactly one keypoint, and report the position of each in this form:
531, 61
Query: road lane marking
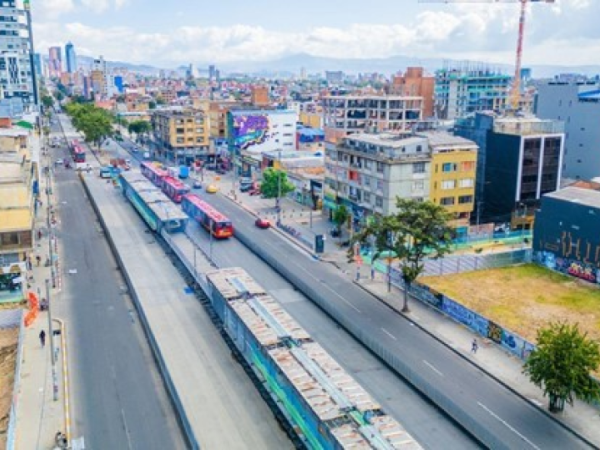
432, 367
389, 334
507, 425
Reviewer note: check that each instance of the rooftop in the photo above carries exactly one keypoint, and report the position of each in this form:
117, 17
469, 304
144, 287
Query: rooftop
587, 197
387, 139
374, 97
442, 139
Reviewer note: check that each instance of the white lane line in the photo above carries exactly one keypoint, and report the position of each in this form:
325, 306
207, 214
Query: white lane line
432, 367
389, 334
507, 425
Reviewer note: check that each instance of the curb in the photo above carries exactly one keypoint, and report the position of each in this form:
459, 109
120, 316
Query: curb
473, 363
66, 387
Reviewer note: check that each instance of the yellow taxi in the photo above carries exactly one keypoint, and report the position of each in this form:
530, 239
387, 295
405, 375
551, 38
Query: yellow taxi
211, 189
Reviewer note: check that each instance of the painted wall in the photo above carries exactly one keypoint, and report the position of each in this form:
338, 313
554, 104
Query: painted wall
261, 130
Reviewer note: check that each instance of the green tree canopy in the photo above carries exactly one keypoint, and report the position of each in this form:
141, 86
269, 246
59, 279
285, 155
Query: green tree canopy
418, 230
47, 101
340, 217
151, 104
562, 365
139, 127
270, 187
95, 123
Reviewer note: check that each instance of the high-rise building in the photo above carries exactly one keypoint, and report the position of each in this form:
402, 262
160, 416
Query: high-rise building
98, 75
577, 103
54, 62
71, 58
347, 114
414, 83
520, 159
464, 90
38, 65
16, 53
212, 72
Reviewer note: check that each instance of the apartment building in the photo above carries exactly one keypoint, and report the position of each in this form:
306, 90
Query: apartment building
344, 115
463, 90
259, 96
520, 159
181, 135
577, 104
217, 113
453, 171
366, 172
18, 182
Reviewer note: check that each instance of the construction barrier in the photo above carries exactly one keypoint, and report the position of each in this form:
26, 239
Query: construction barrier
34, 309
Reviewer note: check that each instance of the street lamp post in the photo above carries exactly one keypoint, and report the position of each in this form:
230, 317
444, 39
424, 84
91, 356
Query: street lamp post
51, 339
210, 247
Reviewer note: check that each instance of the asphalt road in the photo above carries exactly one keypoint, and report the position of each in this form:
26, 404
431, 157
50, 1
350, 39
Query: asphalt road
477, 398
119, 401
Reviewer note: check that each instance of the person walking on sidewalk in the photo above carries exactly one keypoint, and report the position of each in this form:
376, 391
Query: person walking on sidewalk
474, 346
43, 338
38, 259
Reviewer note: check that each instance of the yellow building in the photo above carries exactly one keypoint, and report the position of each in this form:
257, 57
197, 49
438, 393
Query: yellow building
17, 172
182, 134
217, 112
453, 168
313, 120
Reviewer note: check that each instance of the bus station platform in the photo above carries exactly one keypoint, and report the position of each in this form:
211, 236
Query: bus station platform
219, 407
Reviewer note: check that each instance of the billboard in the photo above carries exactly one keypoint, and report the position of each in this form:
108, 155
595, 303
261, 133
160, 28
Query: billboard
262, 130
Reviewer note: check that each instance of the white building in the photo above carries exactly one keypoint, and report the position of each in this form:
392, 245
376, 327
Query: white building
16, 57
256, 131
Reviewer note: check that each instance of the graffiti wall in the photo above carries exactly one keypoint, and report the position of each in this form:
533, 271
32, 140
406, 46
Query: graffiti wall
510, 341
568, 266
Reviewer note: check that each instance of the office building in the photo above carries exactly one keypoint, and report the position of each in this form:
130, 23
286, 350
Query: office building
414, 83
54, 62
212, 72
463, 90
38, 65
347, 114
98, 78
182, 135
71, 58
577, 104
17, 77
520, 159
565, 234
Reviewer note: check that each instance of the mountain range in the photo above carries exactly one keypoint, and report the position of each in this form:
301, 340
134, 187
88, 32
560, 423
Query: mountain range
291, 65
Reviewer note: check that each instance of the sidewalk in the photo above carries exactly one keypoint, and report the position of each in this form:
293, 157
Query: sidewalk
583, 418
39, 417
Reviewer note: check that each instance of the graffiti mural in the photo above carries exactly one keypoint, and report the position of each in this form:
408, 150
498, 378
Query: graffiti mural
465, 316
250, 130
568, 266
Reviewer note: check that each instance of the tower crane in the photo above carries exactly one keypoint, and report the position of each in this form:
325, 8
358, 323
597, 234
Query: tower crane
515, 93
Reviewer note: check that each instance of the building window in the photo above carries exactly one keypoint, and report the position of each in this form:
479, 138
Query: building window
449, 167
367, 197
463, 199
467, 166
379, 202
368, 163
380, 185
447, 201
379, 167
448, 184
200, 130
418, 185
418, 167
466, 183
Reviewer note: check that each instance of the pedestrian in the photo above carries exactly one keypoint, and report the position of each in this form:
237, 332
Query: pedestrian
39, 234
474, 346
38, 259
43, 338
29, 263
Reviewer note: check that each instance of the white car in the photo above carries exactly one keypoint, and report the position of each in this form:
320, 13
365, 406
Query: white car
59, 162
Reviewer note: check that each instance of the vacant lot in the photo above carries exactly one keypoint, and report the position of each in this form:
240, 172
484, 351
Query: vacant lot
524, 298
8, 354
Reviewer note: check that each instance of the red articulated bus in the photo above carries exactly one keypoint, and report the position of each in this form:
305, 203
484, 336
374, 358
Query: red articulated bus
212, 220
174, 188
77, 152
153, 173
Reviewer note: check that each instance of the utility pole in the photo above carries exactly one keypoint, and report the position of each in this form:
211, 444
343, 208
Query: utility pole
51, 338
278, 202
210, 251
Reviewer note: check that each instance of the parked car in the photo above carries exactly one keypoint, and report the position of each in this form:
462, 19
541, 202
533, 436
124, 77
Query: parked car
334, 232
245, 187
197, 184
211, 189
58, 162
262, 223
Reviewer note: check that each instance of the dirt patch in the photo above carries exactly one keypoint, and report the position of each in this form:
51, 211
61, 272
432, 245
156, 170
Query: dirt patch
524, 298
8, 355
13, 305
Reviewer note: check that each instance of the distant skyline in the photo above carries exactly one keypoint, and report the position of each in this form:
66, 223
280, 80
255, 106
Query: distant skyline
184, 31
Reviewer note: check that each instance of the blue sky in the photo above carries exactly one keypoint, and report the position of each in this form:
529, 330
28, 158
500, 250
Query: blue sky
182, 31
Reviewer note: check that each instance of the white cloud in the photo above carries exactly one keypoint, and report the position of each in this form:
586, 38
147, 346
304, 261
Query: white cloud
51, 9
483, 32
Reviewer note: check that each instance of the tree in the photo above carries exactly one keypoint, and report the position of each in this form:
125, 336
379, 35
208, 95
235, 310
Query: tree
139, 127
418, 230
562, 364
95, 123
340, 217
272, 181
47, 101
151, 104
